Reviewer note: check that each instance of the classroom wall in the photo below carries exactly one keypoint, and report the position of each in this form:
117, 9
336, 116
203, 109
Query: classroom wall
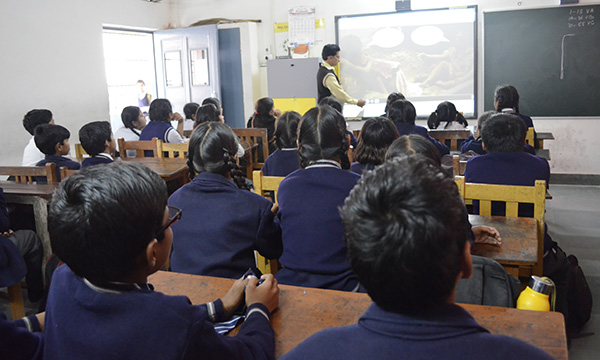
52, 57
573, 152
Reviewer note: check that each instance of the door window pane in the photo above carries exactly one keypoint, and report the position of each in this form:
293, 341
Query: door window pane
199, 67
173, 68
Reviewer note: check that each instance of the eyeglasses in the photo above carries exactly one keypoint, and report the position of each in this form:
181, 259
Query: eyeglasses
174, 216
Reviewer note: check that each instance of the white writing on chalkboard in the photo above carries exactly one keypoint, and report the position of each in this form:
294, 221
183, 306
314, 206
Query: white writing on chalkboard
581, 18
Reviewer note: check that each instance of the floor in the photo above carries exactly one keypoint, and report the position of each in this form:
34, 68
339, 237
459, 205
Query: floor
573, 218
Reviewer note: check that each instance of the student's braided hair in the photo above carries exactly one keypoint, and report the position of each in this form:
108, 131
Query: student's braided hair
212, 149
446, 111
322, 135
286, 129
128, 116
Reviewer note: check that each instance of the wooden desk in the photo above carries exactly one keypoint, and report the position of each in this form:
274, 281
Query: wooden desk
174, 171
37, 195
451, 138
304, 311
541, 136
519, 241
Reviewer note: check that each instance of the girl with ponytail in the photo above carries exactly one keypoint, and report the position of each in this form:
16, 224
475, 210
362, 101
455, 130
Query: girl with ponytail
224, 222
133, 123
312, 231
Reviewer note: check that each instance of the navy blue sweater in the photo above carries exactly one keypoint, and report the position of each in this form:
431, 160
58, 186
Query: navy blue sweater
281, 163
446, 332
314, 251
60, 161
407, 129
95, 160
220, 228
87, 322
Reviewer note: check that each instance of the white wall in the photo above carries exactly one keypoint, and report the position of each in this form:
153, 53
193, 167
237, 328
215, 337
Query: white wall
52, 57
576, 146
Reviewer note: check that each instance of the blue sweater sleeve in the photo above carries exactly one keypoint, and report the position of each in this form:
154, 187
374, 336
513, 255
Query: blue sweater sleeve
17, 342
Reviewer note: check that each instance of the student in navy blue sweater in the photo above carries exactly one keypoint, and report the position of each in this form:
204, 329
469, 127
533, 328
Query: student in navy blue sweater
112, 227
376, 136
336, 104
97, 140
403, 114
224, 222
407, 245
314, 252
161, 114
53, 140
285, 159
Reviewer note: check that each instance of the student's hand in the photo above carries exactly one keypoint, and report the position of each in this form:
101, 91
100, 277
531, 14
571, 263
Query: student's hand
41, 318
177, 116
234, 296
487, 235
361, 103
275, 209
9, 233
277, 113
267, 293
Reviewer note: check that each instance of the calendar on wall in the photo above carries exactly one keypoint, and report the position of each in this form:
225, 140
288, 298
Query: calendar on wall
301, 32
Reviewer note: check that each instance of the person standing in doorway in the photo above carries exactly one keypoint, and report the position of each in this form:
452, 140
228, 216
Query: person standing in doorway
328, 83
144, 99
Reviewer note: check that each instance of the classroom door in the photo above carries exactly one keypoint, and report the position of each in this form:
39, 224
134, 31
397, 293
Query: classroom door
187, 66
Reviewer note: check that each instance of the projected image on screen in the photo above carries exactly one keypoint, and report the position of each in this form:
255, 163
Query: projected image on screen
428, 56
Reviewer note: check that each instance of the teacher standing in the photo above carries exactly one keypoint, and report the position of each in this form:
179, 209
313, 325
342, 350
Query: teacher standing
328, 84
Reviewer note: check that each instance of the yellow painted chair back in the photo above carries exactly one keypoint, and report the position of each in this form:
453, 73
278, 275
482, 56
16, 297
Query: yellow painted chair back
15, 300
512, 195
80, 152
529, 137
169, 150
262, 184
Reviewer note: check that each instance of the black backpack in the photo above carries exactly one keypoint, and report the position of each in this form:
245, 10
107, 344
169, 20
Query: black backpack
579, 299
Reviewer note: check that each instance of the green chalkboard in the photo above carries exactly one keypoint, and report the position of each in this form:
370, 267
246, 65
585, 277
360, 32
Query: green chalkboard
551, 55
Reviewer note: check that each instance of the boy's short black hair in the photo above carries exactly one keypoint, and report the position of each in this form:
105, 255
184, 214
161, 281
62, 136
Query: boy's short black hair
504, 133
102, 218
36, 117
160, 110
93, 136
190, 109
333, 102
405, 233
46, 136
483, 118
329, 50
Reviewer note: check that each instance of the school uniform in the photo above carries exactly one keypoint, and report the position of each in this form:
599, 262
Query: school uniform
407, 129
131, 321
101, 158
162, 131
444, 332
314, 250
220, 228
21, 339
60, 161
477, 146
31, 154
359, 168
517, 168
281, 163
127, 135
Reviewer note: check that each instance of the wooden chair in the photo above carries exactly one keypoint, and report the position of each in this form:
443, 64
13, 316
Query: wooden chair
263, 184
15, 300
529, 137
251, 136
80, 152
28, 174
451, 138
512, 195
458, 165
66, 172
170, 149
139, 146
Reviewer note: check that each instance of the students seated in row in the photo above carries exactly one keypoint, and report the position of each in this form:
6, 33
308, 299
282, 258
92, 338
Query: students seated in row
407, 245
336, 104
403, 114
97, 140
32, 155
285, 159
264, 118
446, 113
53, 140
189, 111
217, 103
134, 122
314, 252
376, 136
207, 113
112, 227
223, 222
161, 114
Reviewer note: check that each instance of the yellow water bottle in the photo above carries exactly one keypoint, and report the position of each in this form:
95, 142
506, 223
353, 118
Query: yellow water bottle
536, 295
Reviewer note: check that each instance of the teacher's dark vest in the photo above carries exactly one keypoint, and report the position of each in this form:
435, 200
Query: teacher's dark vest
322, 90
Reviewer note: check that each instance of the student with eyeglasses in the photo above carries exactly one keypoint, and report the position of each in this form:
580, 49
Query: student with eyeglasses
112, 227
